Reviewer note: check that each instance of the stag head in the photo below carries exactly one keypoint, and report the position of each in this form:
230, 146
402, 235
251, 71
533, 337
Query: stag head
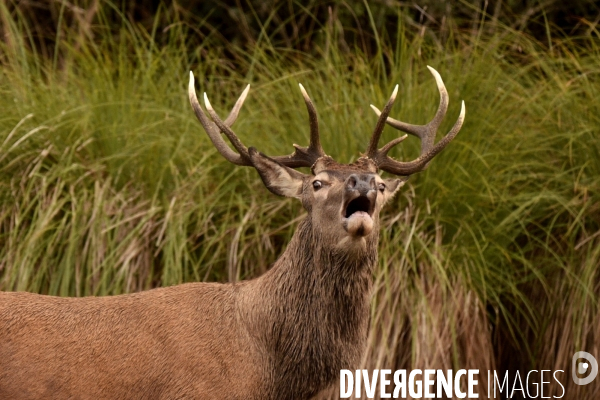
344, 200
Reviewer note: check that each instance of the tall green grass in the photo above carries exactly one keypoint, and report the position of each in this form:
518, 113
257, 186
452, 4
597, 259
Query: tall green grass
489, 259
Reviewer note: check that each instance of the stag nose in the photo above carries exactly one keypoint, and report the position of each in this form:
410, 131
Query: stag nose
362, 184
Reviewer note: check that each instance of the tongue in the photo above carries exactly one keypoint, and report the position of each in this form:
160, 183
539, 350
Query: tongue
359, 223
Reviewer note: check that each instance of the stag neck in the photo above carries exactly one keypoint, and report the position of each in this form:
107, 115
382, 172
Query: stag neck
309, 313
310, 251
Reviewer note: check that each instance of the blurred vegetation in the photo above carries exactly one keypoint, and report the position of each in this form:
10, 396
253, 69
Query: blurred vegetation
489, 259
298, 25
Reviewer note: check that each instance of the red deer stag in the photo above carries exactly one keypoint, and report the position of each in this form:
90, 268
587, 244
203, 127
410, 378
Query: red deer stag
284, 335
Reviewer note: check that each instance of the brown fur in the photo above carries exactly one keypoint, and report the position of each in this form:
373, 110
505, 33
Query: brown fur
284, 335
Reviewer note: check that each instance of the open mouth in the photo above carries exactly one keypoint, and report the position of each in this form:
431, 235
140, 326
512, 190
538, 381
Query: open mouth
358, 221
358, 205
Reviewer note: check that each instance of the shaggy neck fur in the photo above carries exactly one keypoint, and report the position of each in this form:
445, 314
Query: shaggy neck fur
310, 317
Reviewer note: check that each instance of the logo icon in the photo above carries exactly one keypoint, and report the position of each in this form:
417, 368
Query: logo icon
580, 367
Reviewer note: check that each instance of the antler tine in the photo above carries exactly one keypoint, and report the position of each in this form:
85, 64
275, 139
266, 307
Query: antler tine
392, 166
240, 158
315, 140
237, 144
230, 120
425, 132
372, 149
305, 156
302, 156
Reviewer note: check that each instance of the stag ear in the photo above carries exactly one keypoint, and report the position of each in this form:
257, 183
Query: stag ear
279, 179
392, 186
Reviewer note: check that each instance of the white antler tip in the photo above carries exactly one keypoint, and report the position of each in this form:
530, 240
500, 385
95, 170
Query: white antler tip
206, 102
433, 70
192, 92
243, 96
376, 110
438, 79
191, 84
395, 92
462, 109
303, 91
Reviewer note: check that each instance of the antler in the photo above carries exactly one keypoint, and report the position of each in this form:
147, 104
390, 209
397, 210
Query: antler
301, 157
425, 132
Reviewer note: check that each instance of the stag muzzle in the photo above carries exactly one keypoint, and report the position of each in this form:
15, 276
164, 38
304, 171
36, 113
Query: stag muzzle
360, 195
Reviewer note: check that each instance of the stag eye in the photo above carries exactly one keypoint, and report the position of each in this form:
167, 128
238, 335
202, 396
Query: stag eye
381, 187
317, 185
